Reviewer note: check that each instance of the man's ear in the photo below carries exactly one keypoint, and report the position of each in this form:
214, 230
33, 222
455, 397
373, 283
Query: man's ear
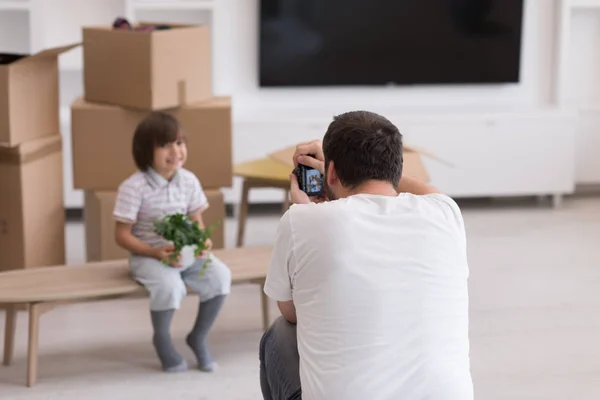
332, 177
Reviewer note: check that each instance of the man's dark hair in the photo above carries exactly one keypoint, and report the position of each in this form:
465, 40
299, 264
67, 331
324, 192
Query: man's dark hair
363, 146
155, 130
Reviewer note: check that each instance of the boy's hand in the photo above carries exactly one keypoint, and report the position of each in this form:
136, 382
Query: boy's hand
164, 254
209, 245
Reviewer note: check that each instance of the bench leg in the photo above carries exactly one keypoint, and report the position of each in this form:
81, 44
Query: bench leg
264, 300
243, 214
9, 333
35, 311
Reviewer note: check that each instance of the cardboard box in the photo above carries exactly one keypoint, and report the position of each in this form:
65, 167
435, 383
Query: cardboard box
412, 164
100, 226
29, 102
147, 70
103, 134
32, 214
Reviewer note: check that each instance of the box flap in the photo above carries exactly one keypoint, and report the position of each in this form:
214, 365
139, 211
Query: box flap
53, 52
215, 102
30, 150
81, 104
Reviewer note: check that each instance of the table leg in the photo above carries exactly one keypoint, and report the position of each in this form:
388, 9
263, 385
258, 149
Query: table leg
264, 300
557, 200
9, 333
243, 214
35, 311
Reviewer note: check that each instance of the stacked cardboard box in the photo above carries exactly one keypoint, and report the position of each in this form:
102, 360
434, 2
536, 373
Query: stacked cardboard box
127, 74
32, 215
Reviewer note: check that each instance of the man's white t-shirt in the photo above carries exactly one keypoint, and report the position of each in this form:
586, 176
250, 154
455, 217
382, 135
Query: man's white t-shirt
380, 289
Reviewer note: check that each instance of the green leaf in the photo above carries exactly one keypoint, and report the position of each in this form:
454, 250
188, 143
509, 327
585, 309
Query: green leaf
182, 231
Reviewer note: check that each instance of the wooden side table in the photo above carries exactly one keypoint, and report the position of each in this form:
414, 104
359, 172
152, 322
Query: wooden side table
262, 173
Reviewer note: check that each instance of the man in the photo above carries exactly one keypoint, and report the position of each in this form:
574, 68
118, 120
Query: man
371, 283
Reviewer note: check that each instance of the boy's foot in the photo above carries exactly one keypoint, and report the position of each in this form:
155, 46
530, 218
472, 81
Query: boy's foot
177, 368
170, 360
203, 357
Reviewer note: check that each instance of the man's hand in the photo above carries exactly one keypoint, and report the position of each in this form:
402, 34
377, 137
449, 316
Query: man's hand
311, 155
209, 245
316, 159
297, 196
164, 254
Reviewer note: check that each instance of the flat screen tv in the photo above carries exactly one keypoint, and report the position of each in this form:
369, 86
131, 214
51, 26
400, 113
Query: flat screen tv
389, 42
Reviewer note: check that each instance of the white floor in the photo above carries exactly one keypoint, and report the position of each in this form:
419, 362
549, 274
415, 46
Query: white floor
535, 320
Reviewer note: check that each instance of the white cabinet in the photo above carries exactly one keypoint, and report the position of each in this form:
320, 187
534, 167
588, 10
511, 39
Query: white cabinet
588, 147
577, 84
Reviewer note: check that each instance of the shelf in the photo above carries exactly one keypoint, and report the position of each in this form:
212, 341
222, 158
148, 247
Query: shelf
23, 5
583, 3
193, 17
176, 5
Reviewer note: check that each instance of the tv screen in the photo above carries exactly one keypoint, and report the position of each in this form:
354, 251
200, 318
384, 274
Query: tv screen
389, 42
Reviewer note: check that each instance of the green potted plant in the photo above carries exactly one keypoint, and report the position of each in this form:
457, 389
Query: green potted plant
186, 235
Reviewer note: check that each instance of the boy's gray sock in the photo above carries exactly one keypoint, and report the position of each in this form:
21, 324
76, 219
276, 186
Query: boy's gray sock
207, 314
171, 360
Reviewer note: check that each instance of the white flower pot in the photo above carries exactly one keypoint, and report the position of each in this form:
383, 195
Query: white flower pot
187, 256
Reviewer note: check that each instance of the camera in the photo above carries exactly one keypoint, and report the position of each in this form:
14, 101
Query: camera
310, 180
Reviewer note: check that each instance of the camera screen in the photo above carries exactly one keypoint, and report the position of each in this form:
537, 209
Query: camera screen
314, 183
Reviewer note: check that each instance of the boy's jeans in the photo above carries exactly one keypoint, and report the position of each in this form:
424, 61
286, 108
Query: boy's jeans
280, 362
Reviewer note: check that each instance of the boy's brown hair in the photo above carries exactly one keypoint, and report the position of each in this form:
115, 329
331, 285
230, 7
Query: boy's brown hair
156, 129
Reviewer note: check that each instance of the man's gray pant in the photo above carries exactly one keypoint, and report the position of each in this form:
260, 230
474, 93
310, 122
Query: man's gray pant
280, 362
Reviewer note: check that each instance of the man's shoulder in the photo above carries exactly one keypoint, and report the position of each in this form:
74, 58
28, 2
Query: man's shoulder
444, 201
316, 217
434, 199
443, 207
320, 210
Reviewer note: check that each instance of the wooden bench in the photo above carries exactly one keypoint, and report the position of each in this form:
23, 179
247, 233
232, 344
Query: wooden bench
42, 289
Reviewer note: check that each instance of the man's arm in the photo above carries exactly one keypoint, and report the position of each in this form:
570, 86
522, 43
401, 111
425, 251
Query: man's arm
278, 285
288, 310
415, 186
